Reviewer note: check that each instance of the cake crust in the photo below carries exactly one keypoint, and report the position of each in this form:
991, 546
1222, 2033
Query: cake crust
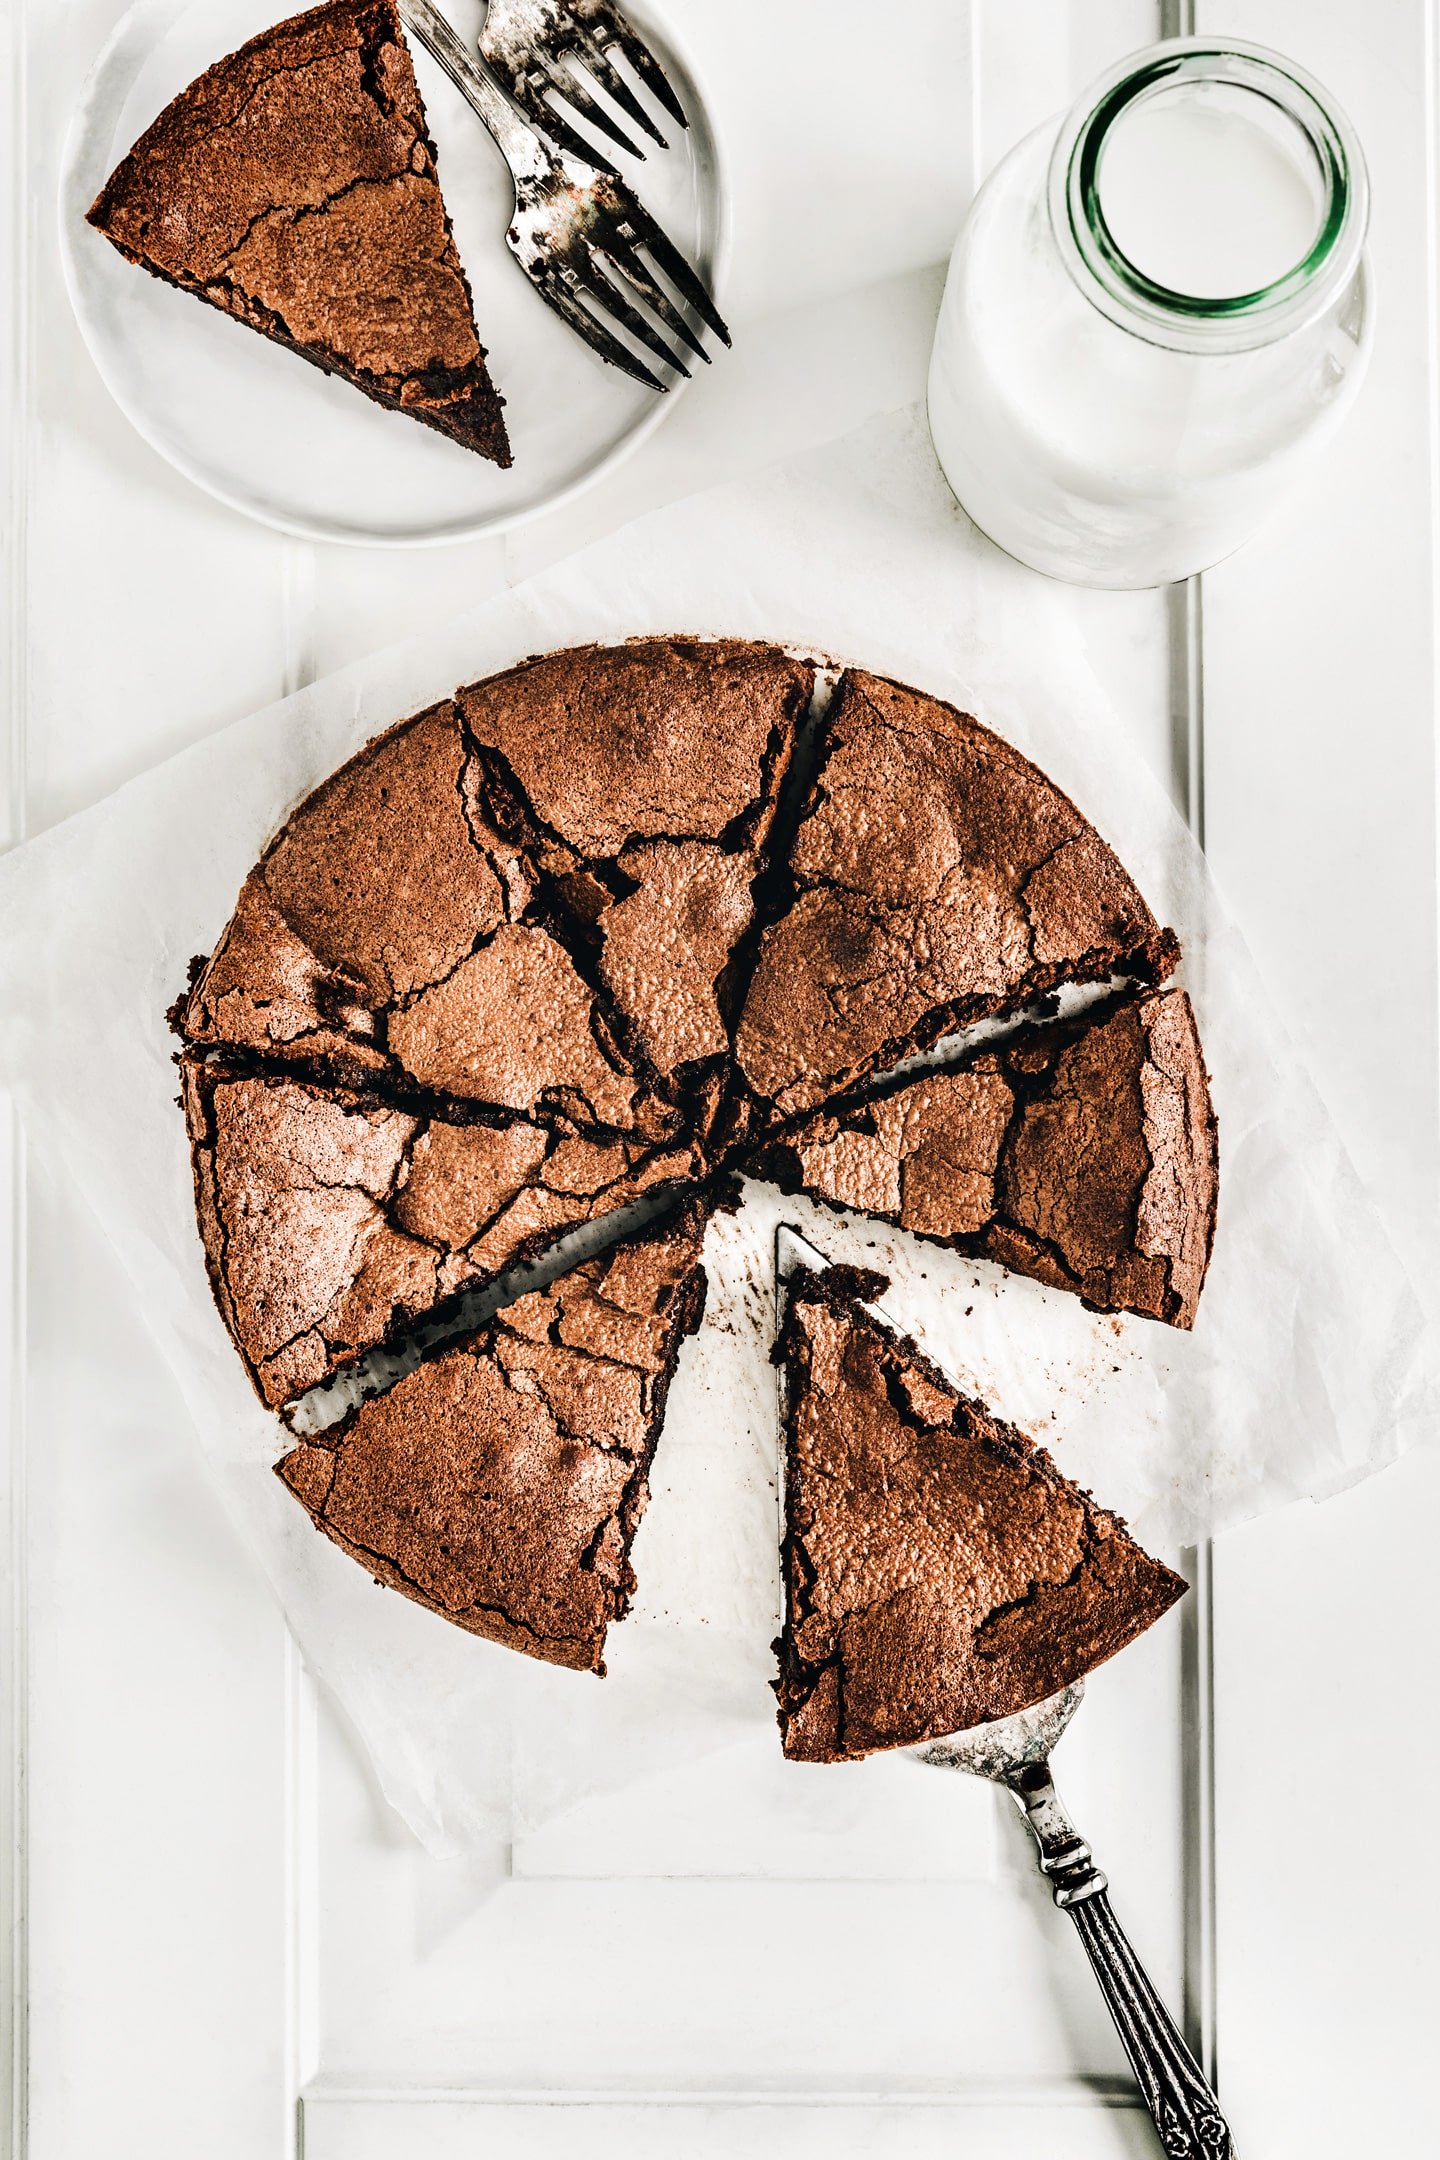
502, 1483
938, 877
294, 186
939, 1570
1084, 1156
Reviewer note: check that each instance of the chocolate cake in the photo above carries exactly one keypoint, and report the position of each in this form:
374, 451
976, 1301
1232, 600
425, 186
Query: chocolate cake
572, 936
391, 933
938, 877
502, 1483
294, 186
1084, 1156
939, 1570
643, 780
331, 1220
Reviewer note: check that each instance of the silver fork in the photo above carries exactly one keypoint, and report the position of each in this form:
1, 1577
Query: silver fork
1015, 1752
578, 232
528, 43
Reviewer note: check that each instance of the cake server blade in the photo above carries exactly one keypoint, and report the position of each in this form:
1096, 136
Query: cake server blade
1015, 1752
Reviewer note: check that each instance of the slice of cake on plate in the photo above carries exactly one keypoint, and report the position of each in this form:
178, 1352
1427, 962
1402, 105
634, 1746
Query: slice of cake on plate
294, 186
939, 1570
501, 1483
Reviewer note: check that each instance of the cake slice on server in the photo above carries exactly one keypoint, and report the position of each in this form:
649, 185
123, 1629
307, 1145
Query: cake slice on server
501, 1483
1083, 1155
294, 186
937, 878
939, 1570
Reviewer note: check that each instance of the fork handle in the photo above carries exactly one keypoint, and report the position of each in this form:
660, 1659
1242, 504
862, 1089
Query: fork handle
519, 144
1182, 2105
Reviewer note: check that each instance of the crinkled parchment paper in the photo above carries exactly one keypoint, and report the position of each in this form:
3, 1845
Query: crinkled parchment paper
1312, 1361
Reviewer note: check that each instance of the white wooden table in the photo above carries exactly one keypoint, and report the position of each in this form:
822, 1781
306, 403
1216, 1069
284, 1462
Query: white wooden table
221, 1944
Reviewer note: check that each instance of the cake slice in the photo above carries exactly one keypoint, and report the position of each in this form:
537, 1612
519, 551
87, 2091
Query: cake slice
1084, 1156
390, 935
939, 1570
293, 185
938, 877
644, 780
331, 1221
502, 1483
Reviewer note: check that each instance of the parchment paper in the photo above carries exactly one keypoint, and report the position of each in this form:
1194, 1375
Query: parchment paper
1312, 1362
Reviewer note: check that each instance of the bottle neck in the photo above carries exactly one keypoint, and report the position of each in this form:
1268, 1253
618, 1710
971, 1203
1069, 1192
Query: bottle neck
1232, 97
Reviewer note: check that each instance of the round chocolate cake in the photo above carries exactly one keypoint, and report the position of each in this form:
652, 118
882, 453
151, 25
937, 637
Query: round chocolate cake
614, 925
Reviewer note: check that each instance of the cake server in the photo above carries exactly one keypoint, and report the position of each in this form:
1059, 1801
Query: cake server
1015, 1752
528, 44
590, 249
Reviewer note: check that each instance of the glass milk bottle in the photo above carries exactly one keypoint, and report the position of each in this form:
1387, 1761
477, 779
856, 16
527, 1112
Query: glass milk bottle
1155, 317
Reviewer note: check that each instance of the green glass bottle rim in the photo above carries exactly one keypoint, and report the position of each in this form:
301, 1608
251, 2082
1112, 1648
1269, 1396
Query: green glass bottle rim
1184, 321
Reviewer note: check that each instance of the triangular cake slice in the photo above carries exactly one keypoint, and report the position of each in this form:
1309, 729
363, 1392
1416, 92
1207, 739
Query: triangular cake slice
502, 1483
1083, 1155
391, 935
939, 1570
332, 1220
644, 780
294, 186
938, 877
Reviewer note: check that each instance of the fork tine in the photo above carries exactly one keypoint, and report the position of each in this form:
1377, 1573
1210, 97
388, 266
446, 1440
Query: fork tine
686, 281
569, 86
590, 109
554, 289
631, 267
613, 82
614, 29
613, 297
551, 122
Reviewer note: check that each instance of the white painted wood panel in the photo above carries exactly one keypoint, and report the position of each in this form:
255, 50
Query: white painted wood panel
1320, 711
222, 1915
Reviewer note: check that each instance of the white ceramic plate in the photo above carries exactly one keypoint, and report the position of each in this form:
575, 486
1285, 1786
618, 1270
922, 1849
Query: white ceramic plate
269, 434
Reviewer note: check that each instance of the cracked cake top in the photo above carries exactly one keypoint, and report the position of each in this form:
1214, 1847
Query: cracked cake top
644, 779
331, 1221
502, 1483
390, 932
293, 185
1082, 1155
938, 877
538, 896
489, 982
939, 1569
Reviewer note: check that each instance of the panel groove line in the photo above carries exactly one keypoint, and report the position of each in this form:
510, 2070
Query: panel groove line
1432, 327
302, 1829
16, 371
1080, 2094
1185, 620
1186, 624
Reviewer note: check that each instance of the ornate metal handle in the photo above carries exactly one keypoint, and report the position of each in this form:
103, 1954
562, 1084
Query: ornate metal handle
1185, 2110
